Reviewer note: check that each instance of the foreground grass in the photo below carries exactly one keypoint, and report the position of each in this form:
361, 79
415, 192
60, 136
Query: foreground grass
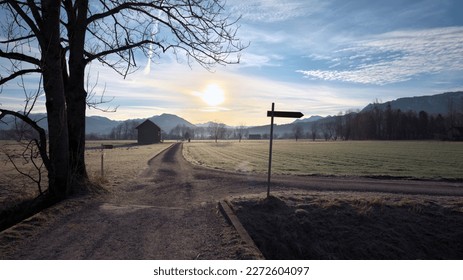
121, 163
361, 226
18, 194
409, 159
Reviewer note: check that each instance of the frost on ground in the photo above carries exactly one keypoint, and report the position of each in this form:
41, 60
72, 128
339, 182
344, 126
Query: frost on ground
315, 225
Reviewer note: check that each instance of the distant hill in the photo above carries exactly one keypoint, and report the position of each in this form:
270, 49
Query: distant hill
102, 125
8, 122
168, 121
310, 119
99, 125
433, 104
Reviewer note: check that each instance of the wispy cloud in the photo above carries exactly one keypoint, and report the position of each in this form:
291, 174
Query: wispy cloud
274, 10
396, 57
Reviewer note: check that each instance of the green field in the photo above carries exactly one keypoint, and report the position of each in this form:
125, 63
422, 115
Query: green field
409, 159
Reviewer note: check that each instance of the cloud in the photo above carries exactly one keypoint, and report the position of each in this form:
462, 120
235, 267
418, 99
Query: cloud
268, 11
396, 57
174, 89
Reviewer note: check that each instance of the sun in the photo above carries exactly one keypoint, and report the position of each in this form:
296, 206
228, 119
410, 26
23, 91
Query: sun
213, 95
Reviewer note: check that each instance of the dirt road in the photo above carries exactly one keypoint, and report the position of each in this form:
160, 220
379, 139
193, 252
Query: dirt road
169, 212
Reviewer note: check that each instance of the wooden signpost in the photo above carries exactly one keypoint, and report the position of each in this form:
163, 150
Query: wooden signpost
280, 114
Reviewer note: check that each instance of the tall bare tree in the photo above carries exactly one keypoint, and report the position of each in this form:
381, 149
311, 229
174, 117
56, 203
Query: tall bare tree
28, 25
111, 32
59, 39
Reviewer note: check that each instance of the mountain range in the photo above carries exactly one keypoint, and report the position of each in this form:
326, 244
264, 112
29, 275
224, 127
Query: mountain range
442, 103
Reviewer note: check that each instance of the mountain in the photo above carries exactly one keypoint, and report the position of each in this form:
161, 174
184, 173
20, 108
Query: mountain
210, 123
99, 125
102, 125
168, 121
310, 119
8, 122
434, 104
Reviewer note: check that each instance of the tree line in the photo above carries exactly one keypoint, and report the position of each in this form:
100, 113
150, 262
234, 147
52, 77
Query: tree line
215, 131
375, 124
389, 124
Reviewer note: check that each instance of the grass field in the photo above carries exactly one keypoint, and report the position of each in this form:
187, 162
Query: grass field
121, 164
409, 159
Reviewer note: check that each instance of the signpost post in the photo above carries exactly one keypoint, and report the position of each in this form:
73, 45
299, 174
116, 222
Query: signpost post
103, 147
272, 114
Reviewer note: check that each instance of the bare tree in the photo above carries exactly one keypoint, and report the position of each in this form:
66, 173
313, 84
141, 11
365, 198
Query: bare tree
25, 26
313, 131
241, 131
217, 130
59, 39
111, 31
298, 131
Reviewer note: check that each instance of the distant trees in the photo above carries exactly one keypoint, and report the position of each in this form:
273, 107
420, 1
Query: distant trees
392, 124
182, 132
125, 131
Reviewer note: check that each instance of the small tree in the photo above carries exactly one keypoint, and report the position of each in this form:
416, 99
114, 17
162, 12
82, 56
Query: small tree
313, 130
298, 131
241, 131
217, 130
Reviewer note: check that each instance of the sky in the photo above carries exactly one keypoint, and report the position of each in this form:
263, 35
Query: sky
319, 57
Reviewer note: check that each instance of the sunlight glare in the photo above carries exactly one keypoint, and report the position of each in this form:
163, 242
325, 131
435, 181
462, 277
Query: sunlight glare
213, 95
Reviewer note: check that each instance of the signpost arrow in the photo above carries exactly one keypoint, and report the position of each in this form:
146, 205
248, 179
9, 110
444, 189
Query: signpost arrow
285, 114
280, 114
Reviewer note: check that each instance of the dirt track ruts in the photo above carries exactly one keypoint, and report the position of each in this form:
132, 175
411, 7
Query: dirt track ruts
169, 212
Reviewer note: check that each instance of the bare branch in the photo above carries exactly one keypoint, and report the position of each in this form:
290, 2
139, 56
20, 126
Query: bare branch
91, 95
31, 97
91, 57
29, 155
20, 56
199, 29
35, 28
17, 74
18, 39
42, 143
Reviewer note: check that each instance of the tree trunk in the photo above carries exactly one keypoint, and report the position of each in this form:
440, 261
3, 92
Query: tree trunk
76, 100
76, 96
55, 101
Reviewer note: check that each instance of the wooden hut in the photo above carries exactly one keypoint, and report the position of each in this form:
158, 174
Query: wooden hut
148, 133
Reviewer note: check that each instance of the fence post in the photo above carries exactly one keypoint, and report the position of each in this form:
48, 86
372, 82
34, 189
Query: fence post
102, 162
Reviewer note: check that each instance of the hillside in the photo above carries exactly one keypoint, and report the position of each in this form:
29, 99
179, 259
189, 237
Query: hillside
103, 125
168, 121
434, 104
99, 125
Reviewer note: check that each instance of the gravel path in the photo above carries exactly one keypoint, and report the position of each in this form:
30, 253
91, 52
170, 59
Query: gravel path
169, 212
